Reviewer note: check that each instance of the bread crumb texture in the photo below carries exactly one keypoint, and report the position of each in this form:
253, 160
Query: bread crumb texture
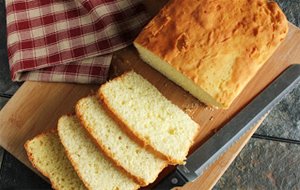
92, 167
46, 153
150, 116
117, 145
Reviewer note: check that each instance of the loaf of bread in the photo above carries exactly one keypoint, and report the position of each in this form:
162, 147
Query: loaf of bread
47, 155
92, 167
149, 117
212, 48
116, 144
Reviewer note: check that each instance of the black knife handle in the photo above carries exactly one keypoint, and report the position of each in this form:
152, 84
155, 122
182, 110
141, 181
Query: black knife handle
174, 179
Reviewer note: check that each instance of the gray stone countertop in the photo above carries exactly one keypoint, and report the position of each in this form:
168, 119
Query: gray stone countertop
271, 159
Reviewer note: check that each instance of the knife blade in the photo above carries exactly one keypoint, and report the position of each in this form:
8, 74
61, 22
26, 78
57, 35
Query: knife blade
232, 131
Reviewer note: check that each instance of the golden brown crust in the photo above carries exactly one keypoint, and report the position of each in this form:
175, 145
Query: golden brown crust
106, 152
32, 161
74, 165
218, 46
132, 134
76, 168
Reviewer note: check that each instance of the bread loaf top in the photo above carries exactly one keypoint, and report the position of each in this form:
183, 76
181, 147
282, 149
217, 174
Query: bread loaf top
219, 45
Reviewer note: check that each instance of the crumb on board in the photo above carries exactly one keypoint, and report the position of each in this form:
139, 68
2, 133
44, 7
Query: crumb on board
209, 108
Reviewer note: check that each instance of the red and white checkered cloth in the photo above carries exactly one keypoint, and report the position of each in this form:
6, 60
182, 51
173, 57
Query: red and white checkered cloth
69, 40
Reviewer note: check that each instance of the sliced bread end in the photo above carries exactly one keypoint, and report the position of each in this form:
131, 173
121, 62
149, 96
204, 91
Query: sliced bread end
46, 154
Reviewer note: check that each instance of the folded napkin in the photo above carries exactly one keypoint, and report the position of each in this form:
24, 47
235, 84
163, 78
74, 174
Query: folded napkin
69, 40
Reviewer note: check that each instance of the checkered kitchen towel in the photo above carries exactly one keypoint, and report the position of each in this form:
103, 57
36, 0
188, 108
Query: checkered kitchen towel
69, 40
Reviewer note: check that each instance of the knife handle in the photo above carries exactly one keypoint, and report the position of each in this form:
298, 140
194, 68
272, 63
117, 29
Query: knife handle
174, 179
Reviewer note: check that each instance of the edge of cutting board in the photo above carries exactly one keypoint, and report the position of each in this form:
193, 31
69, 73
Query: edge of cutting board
36, 106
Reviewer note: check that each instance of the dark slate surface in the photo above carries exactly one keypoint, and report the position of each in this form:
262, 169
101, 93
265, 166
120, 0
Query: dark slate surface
3, 102
291, 8
284, 119
6, 85
15, 175
264, 165
261, 164
268, 164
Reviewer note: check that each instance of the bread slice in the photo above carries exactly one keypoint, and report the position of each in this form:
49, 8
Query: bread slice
116, 144
145, 113
90, 164
212, 48
47, 154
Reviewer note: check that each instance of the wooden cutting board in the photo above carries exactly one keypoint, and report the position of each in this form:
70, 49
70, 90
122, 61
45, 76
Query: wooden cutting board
36, 106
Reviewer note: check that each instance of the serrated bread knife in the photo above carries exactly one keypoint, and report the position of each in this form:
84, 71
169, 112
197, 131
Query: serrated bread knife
231, 132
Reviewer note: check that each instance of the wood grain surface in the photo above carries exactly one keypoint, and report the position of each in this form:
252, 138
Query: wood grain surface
36, 106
